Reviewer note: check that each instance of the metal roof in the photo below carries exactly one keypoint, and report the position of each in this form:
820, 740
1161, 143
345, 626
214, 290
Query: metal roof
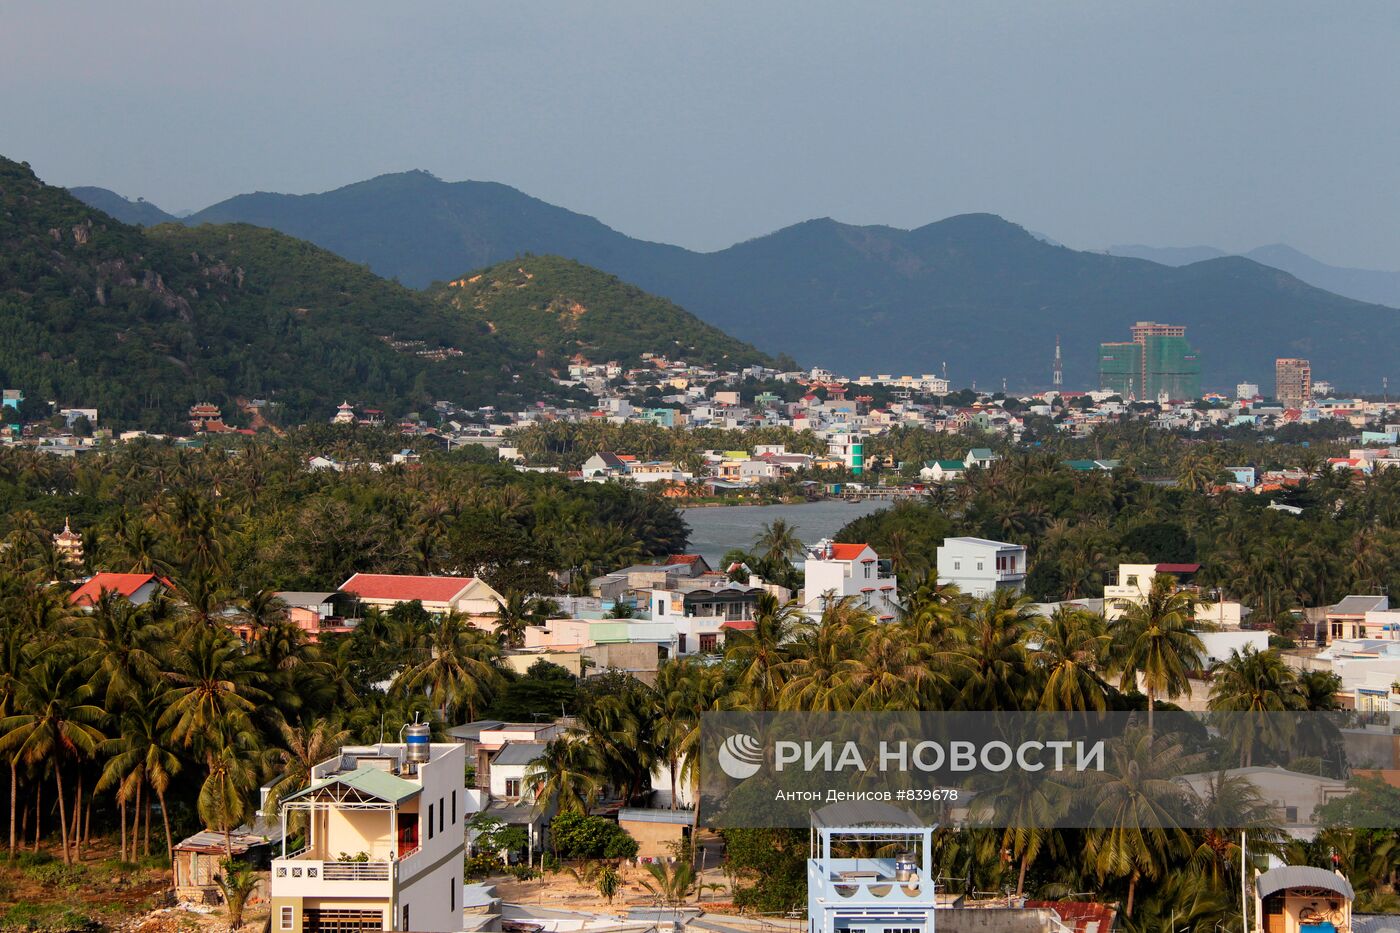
369, 781
656, 815
1357, 605
518, 753
1303, 876
473, 730
302, 598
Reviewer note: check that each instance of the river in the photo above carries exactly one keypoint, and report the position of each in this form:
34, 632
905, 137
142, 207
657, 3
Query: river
716, 530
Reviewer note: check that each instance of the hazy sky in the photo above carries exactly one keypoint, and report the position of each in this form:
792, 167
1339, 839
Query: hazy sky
1169, 123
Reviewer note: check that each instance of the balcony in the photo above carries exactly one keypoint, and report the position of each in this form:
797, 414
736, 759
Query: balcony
295, 876
862, 882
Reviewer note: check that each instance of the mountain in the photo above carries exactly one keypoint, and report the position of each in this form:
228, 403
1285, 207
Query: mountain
142, 323
140, 213
1370, 285
554, 308
974, 291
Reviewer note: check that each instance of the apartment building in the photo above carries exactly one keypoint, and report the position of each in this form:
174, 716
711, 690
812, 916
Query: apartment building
1292, 382
383, 841
979, 567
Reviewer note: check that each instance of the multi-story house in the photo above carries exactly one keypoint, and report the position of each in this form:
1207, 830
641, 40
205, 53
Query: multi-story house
834, 571
880, 894
980, 567
383, 828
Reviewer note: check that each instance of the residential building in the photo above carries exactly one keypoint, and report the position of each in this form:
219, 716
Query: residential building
980, 457
1245, 391
1135, 582
136, 588
438, 595
847, 446
318, 614
1361, 617
980, 567
1157, 363
883, 893
835, 571
1293, 382
942, 471
384, 843
604, 463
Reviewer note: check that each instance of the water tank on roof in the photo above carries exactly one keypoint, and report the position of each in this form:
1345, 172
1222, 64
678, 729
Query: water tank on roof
418, 737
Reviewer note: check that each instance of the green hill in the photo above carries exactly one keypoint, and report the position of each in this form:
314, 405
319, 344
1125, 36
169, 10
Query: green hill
140, 213
143, 323
554, 308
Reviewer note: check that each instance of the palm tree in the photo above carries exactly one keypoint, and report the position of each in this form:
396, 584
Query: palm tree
990, 654
566, 776
52, 722
1154, 639
237, 883
120, 642
777, 542
757, 654
1070, 648
223, 798
463, 670
301, 749
215, 690
513, 615
1254, 687
1139, 806
671, 883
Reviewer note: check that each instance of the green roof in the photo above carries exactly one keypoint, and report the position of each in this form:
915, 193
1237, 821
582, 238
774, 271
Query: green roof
980, 453
370, 781
947, 464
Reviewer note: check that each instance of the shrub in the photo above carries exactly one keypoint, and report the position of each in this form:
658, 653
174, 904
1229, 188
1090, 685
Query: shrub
579, 836
481, 865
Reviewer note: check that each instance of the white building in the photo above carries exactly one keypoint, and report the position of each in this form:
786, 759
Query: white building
834, 571
384, 842
892, 893
980, 567
848, 446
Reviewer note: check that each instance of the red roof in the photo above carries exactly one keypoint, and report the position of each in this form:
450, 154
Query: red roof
1178, 568
123, 584
681, 559
405, 588
742, 625
846, 551
1081, 916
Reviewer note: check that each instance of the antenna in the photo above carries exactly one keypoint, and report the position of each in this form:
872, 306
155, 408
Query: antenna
1059, 371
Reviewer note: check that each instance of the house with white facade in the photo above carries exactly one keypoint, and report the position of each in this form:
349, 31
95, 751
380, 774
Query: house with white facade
979, 567
384, 840
469, 595
834, 571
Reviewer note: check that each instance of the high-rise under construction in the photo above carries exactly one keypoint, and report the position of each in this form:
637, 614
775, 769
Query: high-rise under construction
1157, 363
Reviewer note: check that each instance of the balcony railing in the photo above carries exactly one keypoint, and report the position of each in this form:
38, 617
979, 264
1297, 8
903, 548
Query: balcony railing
355, 871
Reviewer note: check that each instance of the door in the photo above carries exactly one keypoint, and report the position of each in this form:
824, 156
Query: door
342, 921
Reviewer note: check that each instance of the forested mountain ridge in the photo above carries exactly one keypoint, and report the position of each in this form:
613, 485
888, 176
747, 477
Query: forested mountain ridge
555, 308
974, 291
143, 323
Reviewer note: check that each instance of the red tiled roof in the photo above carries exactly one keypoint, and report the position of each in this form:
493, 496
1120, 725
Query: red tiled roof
846, 551
1178, 568
123, 584
405, 588
681, 559
742, 625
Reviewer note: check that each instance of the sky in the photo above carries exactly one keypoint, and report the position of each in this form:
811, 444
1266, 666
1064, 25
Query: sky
1183, 123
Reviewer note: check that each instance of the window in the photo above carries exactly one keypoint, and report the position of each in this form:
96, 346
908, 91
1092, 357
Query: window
867, 571
957, 565
405, 918
286, 918
451, 893
430, 821
442, 811
512, 787
680, 645
979, 565
661, 607
454, 807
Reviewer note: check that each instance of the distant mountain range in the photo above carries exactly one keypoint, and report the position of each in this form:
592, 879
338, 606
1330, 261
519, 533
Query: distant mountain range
1371, 285
974, 291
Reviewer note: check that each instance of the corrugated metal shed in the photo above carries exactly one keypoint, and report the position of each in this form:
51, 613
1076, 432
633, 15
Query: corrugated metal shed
1302, 876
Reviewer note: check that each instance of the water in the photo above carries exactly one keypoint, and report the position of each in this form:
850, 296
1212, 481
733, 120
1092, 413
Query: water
716, 530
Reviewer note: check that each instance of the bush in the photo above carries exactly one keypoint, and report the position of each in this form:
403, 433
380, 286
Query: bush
522, 872
479, 866
55, 874
579, 836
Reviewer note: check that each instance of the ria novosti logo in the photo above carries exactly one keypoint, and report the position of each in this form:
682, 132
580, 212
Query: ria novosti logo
740, 756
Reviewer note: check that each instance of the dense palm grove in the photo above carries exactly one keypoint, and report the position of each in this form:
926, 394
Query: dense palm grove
146, 722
